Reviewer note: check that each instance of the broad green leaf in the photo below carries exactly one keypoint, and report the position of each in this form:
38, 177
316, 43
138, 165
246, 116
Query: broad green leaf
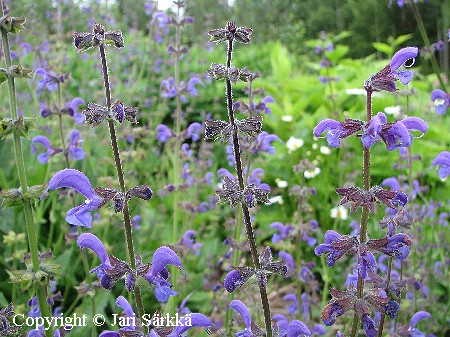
384, 48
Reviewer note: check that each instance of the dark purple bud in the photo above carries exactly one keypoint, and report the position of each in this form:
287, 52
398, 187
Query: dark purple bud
143, 192
369, 326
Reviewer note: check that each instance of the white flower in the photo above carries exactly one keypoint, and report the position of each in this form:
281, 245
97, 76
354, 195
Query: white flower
393, 110
339, 212
315, 146
276, 199
294, 143
286, 118
355, 91
325, 150
281, 183
311, 173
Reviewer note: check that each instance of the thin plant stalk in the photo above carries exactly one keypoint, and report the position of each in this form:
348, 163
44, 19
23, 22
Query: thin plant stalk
41, 291
365, 210
245, 210
120, 176
176, 151
423, 32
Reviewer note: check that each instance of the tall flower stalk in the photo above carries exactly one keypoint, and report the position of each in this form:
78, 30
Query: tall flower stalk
395, 135
95, 114
15, 24
234, 191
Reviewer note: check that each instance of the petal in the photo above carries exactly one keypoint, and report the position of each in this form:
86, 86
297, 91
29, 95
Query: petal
326, 125
74, 179
41, 140
163, 291
240, 307
88, 240
79, 216
161, 258
331, 236
415, 123
442, 158
297, 328
43, 158
232, 281
418, 316
402, 56
77, 153
76, 102
391, 183
323, 248
109, 334
74, 137
405, 76
438, 93
189, 321
123, 303
79, 118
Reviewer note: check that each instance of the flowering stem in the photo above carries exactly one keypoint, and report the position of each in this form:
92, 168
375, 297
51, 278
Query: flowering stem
120, 175
245, 211
20, 164
365, 210
423, 32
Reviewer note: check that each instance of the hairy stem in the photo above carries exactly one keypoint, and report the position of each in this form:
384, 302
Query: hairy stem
41, 291
245, 210
365, 210
120, 176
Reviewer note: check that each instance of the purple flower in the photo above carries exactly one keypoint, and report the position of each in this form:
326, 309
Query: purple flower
369, 326
373, 129
190, 86
194, 131
189, 241
78, 216
385, 79
337, 130
416, 318
162, 19
161, 258
297, 328
88, 240
336, 245
319, 330
397, 134
233, 280
74, 151
283, 231
290, 263
441, 101
168, 88
291, 308
240, 307
264, 143
190, 321
136, 222
442, 160
78, 117
163, 133
48, 79
396, 245
367, 262
44, 156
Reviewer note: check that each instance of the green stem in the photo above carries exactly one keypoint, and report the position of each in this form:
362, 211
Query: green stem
365, 211
423, 32
120, 176
176, 160
20, 164
245, 210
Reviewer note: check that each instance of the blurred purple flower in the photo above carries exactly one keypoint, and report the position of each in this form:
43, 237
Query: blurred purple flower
44, 156
264, 143
441, 101
290, 263
283, 231
293, 307
74, 150
78, 216
168, 88
161, 18
136, 222
189, 241
442, 161
163, 133
194, 131
416, 318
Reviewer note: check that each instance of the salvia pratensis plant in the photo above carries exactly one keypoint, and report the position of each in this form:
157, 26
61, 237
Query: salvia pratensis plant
371, 131
34, 278
234, 190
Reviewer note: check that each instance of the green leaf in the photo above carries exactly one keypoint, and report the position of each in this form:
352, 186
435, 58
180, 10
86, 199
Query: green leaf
384, 48
338, 53
402, 39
